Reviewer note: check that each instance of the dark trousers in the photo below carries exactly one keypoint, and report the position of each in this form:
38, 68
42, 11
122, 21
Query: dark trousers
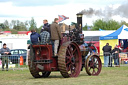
5, 61
52, 41
110, 61
116, 61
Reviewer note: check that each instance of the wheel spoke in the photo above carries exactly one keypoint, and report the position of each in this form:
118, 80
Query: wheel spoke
92, 59
68, 62
96, 61
93, 71
74, 50
69, 52
89, 68
75, 55
68, 67
68, 58
97, 68
91, 64
72, 63
72, 69
71, 49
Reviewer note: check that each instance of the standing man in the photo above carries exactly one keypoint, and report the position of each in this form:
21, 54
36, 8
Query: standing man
55, 34
5, 51
46, 26
107, 51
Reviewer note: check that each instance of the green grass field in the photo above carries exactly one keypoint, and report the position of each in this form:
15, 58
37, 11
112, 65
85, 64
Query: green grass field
108, 76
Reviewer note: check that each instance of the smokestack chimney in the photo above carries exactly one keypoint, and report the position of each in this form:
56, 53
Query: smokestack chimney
79, 20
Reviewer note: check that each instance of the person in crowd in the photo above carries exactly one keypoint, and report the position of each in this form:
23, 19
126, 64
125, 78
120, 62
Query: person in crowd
45, 36
116, 52
55, 34
46, 26
5, 51
35, 37
107, 52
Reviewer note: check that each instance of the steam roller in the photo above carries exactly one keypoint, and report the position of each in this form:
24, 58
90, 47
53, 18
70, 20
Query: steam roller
72, 56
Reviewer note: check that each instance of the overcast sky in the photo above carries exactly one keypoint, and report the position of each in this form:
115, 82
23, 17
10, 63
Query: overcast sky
49, 9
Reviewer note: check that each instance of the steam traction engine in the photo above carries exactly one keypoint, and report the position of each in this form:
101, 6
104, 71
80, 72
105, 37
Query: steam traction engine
70, 60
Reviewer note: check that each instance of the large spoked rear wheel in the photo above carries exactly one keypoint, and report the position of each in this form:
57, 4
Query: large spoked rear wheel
32, 66
93, 65
69, 60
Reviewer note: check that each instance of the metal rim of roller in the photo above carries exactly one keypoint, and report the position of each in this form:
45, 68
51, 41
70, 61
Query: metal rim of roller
69, 60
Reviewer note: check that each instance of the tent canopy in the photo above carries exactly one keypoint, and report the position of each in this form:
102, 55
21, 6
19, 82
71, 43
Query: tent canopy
121, 33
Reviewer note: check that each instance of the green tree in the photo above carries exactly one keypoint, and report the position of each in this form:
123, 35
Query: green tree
32, 24
123, 23
6, 24
98, 24
107, 25
85, 27
39, 29
2, 27
19, 26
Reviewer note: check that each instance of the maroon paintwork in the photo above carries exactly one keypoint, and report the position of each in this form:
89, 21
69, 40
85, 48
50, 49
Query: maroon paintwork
46, 54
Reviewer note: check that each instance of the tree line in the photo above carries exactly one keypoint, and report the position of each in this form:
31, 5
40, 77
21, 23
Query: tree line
105, 25
15, 25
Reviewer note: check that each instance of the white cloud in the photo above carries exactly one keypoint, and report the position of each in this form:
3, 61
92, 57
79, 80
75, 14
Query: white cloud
41, 12
10, 11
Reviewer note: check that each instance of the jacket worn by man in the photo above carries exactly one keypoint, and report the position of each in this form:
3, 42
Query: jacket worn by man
107, 50
5, 50
116, 52
46, 26
55, 31
35, 38
45, 37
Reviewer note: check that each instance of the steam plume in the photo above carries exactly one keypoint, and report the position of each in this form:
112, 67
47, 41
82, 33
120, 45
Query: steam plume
108, 11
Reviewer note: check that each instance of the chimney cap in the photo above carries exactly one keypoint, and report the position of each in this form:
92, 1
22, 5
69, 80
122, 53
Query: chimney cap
79, 14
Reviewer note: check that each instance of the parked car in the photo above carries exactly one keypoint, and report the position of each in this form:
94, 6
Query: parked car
16, 53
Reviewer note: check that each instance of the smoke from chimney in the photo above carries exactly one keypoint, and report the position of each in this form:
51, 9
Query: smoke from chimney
108, 12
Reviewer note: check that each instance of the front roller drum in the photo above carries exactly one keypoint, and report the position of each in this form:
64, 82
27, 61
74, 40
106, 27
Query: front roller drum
69, 60
32, 66
93, 65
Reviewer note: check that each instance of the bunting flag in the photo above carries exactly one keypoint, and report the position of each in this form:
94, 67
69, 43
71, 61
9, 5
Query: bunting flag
62, 18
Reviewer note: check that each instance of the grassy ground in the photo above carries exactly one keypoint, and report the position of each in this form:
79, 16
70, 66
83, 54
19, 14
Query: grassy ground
108, 76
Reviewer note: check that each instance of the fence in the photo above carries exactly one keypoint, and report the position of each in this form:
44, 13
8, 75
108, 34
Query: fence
123, 59
14, 62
